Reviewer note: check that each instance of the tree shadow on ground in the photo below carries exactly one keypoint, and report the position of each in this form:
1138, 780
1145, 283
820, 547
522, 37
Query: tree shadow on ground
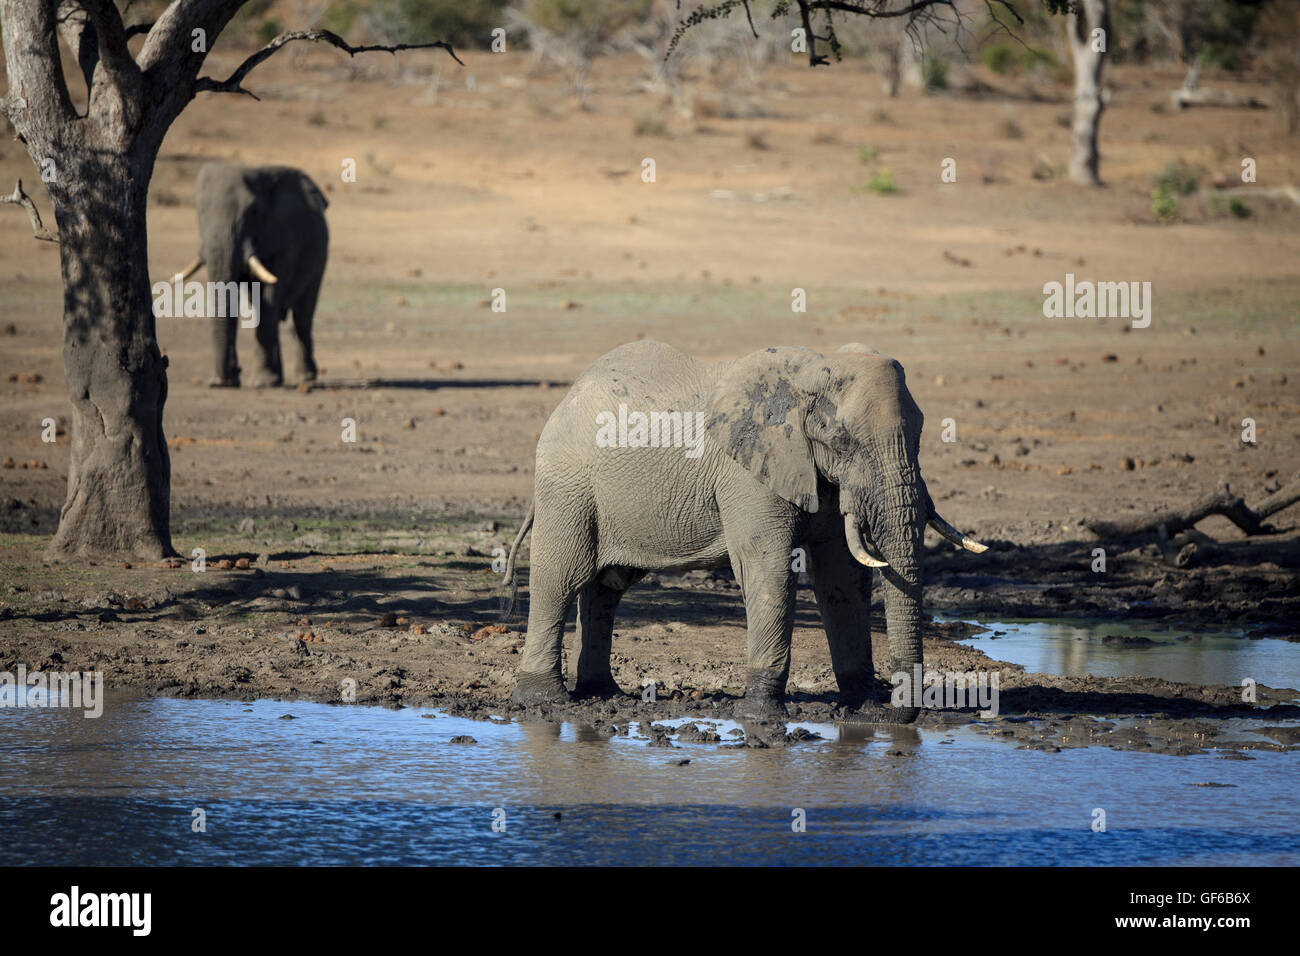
434, 384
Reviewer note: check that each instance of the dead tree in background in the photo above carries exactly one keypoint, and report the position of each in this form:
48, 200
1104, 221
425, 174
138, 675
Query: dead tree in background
97, 169
1088, 49
815, 15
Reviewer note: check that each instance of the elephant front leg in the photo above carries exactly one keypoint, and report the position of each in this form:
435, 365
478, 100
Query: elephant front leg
226, 369
843, 589
768, 585
269, 371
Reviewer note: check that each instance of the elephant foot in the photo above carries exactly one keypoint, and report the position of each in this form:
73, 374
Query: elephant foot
874, 712
853, 694
533, 689
597, 689
764, 698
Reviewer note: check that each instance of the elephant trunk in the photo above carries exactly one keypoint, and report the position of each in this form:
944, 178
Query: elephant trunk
903, 620
898, 508
897, 532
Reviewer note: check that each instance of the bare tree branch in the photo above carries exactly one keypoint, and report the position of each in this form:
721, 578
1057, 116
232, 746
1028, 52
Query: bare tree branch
233, 83
20, 198
111, 34
877, 10
31, 48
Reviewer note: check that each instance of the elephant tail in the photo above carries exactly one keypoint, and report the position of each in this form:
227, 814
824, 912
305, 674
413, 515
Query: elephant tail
508, 580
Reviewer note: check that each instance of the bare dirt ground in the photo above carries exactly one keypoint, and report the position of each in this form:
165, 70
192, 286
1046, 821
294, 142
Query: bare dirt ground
371, 560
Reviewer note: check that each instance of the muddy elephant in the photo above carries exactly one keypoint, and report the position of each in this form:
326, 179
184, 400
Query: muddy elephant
263, 224
656, 462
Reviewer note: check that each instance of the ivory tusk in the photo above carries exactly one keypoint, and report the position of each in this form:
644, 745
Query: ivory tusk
955, 536
192, 268
853, 535
261, 271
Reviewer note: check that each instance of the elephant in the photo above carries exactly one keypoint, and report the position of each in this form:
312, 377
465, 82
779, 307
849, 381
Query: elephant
785, 448
263, 223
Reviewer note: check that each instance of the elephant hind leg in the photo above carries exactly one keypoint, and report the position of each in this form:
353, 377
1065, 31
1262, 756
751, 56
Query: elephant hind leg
597, 602
563, 561
843, 589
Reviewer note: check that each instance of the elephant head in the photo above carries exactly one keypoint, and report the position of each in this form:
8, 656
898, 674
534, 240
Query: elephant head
801, 422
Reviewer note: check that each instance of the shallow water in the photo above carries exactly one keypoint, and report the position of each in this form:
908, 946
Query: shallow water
1076, 649
357, 785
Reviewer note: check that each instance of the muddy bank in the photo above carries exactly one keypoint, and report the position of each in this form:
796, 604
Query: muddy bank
426, 630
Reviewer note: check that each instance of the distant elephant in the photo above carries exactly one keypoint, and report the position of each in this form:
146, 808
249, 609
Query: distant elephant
797, 450
264, 223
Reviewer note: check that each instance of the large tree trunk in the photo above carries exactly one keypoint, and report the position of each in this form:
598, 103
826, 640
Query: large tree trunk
97, 168
1091, 15
118, 496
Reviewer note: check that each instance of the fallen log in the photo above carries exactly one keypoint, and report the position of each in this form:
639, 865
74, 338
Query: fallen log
1183, 98
1284, 497
1221, 501
1187, 550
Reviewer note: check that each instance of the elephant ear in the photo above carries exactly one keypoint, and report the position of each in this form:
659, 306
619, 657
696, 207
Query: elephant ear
758, 413
311, 192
